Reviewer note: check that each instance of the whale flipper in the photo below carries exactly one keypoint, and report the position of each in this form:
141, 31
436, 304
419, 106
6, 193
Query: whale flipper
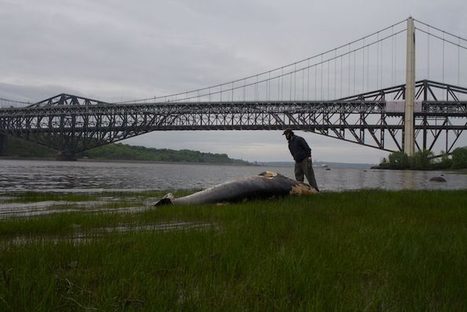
166, 200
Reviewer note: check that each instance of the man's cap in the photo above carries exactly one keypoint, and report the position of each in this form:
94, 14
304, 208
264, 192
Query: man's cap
287, 131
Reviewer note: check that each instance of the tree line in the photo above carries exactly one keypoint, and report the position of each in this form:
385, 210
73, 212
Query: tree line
424, 160
19, 148
128, 152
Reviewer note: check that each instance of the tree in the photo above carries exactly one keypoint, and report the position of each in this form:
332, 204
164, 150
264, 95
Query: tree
459, 158
398, 160
421, 160
443, 162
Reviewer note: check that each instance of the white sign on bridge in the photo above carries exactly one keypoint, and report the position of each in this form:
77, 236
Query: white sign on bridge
399, 106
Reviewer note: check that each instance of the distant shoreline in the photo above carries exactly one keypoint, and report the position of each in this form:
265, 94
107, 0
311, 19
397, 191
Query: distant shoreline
129, 161
317, 164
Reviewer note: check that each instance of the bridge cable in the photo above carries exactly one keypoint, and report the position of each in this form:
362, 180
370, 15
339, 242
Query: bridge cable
458, 63
262, 73
348, 75
355, 72
365, 77
377, 64
329, 80
381, 60
14, 101
428, 52
320, 64
392, 58
440, 30
443, 57
282, 77
444, 39
335, 74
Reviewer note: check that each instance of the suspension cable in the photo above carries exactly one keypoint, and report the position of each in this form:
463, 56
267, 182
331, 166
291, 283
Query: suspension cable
14, 101
265, 72
444, 39
289, 73
440, 30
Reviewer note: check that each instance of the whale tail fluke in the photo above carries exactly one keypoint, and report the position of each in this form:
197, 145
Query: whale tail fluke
166, 200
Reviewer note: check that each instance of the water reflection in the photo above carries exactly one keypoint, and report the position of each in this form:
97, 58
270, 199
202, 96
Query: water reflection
80, 237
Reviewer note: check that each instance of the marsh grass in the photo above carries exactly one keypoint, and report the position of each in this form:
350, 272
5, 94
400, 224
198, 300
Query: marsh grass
349, 251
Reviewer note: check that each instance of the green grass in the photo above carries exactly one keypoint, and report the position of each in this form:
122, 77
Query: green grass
349, 251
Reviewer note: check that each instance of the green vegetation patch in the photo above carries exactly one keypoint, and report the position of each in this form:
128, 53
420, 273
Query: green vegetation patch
353, 251
423, 160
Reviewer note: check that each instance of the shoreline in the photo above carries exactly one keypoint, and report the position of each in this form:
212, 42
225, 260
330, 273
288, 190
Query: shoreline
461, 170
286, 164
130, 161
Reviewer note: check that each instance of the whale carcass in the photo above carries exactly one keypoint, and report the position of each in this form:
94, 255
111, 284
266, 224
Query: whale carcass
265, 185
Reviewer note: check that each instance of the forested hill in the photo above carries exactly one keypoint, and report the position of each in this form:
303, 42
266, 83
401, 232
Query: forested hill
128, 152
18, 148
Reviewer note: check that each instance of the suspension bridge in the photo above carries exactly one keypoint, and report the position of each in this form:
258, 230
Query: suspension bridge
367, 92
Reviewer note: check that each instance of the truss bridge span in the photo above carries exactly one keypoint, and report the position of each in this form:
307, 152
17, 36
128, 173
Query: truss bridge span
72, 124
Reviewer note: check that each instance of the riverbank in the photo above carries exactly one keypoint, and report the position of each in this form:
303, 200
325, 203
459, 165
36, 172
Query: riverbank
132, 161
362, 250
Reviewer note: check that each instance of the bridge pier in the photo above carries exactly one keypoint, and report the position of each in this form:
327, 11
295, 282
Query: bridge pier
3, 143
66, 156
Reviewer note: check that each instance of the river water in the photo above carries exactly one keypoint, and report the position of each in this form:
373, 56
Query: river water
88, 176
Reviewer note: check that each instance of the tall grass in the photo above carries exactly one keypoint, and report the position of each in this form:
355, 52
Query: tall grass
350, 251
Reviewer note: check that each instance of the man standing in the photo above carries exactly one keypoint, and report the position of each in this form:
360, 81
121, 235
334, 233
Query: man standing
301, 153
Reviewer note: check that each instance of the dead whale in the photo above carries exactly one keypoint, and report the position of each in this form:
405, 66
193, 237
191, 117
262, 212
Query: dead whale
265, 185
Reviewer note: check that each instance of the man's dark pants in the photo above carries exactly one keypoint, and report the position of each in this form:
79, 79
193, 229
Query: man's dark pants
305, 168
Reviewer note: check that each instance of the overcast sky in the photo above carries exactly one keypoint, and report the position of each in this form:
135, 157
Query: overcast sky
118, 50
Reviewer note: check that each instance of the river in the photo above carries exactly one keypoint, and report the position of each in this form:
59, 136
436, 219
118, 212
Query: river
90, 176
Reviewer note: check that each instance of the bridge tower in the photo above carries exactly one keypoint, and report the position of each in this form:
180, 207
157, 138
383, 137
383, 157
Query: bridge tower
409, 134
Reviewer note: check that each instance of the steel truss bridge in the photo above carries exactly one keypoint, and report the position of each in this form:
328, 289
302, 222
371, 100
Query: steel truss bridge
72, 124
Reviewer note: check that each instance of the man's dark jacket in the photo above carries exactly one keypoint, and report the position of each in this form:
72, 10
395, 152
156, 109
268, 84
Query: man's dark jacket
299, 148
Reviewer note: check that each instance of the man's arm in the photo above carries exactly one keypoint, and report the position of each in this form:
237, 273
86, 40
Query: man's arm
304, 145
